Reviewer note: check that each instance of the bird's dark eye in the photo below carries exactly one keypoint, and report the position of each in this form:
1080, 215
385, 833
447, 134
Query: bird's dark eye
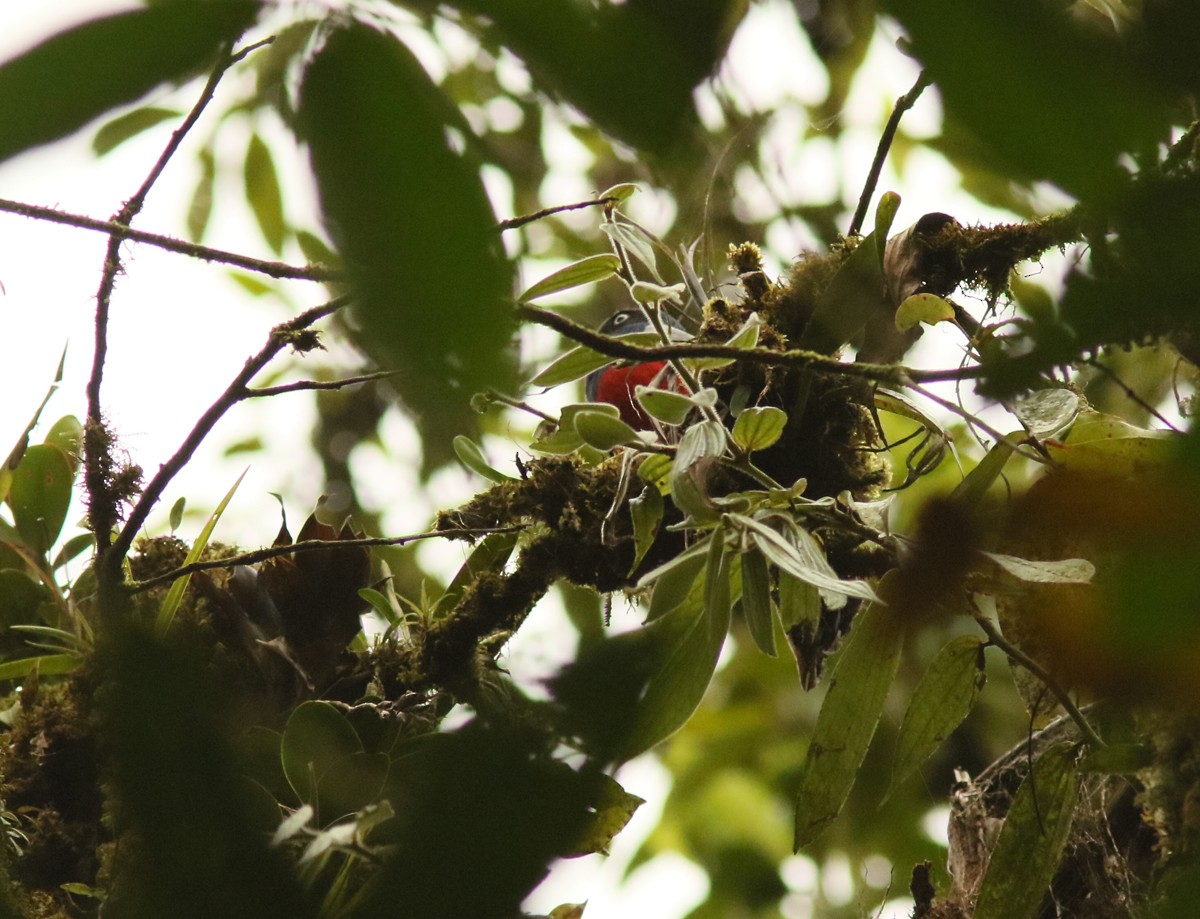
620, 319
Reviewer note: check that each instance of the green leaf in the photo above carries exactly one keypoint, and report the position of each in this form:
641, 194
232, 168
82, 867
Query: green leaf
175, 518
432, 284
1099, 106
490, 554
756, 601
316, 739
646, 292
20, 597
1031, 841
802, 557
263, 194
200, 208
472, 457
602, 431
885, 213
646, 512
613, 807
72, 548
622, 191
699, 447
316, 251
635, 243
67, 435
170, 603
971, 490
1107, 446
858, 688
60, 85
349, 784
717, 600
665, 405
853, 296
585, 271
46, 665
40, 495
123, 127
745, 337
656, 468
580, 361
673, 580
923, 307
942, 700
759, 428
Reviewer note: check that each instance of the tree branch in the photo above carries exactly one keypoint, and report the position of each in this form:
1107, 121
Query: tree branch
513, 223
278, 270
893, 374
308, 545
903, 104
303, 385
281, 336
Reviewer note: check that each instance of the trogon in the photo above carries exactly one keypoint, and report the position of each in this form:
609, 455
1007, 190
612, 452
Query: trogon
616, 383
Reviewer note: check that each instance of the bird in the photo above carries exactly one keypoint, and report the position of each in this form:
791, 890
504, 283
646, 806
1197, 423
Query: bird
616, 383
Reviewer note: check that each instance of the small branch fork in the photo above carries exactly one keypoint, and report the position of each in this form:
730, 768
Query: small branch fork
309, 545
281, 337
893, 374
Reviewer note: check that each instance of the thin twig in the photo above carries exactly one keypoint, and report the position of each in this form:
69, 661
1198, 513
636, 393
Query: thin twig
278, 270
903, 104
894, 374
1129, 392
302, 385
280, 338
513, 223
997, 639
102, 502
308, 545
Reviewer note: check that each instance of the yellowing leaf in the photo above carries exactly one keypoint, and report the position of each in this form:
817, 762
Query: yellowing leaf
927, 308
758, 428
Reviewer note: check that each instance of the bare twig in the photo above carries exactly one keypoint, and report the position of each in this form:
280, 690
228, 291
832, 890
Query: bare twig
281, 336
278, 270
308, 545
893, 374
303, 385
1129, 392
513, 223
102, 501
1039, 671
903, 104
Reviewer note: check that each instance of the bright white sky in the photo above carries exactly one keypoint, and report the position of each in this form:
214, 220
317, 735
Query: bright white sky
181, 329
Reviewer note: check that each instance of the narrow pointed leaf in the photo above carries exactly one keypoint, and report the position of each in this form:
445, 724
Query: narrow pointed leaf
1064, 571
858, 688
942, 700
580, 361
779, 551
853, 295
170, 603
585, 271
123, 127
60, 85
472, 457
673, 580
756, 601
200, 209
263, 194
1030, 845
646, 511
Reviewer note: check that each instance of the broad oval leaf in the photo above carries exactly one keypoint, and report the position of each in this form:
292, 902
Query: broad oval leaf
943, 698
622, 192
758, 428
263, 194
923, 307
1046, 412
40, 495
585, 271
663, 404
409, 213
1107, 446
858, 688
317, 737
1031, 841
602, 431
60, 85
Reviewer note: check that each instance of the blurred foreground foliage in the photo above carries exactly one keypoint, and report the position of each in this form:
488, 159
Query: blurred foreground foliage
197, 731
